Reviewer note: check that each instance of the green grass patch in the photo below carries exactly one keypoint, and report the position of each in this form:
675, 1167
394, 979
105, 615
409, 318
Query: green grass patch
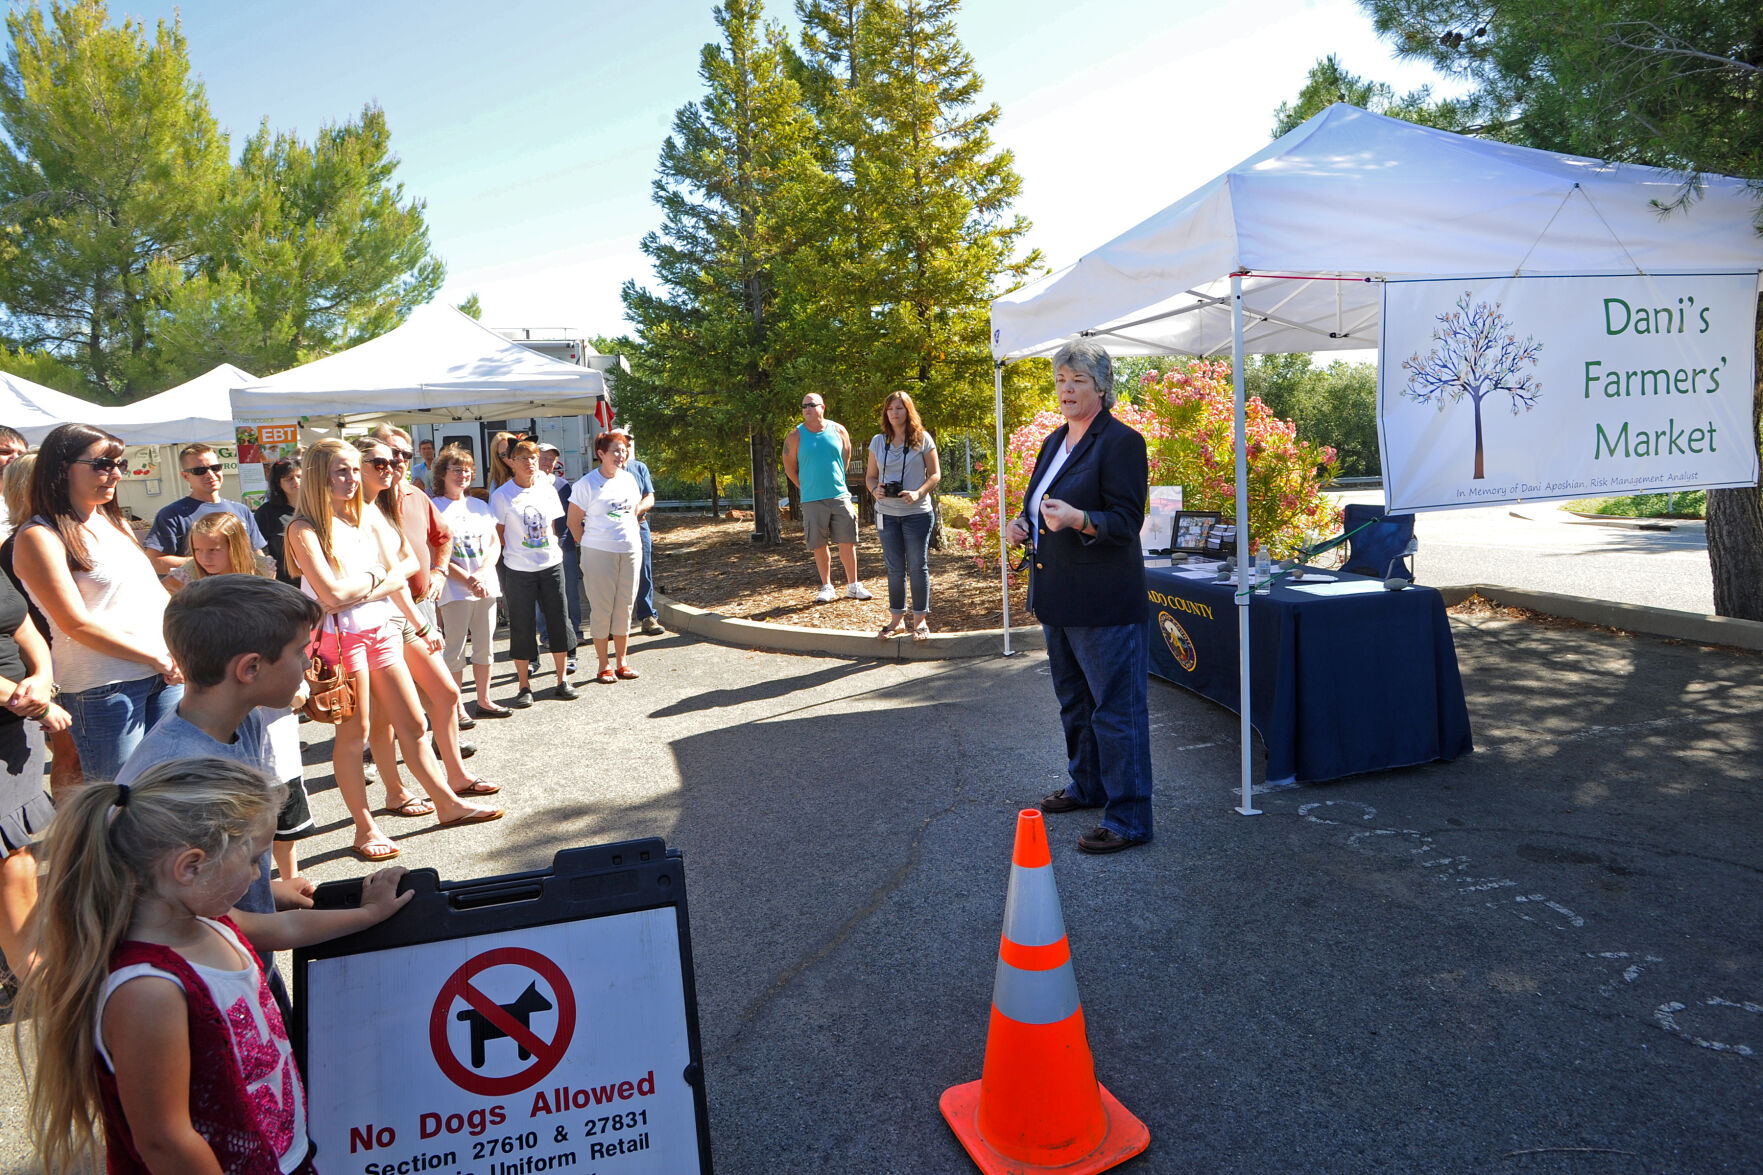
1688, 504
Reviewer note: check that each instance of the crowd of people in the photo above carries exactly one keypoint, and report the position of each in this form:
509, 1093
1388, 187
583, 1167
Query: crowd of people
168, 675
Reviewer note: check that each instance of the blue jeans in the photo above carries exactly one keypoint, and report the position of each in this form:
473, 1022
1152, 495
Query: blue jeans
905, 545
645, 605
109, 721
572, 595
1100, 676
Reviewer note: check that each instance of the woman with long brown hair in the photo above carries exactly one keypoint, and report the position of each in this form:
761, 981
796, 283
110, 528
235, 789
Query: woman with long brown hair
351, 566
84, 567
902, 474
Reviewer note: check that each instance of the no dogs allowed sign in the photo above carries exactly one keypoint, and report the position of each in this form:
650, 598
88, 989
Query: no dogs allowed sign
563, 1045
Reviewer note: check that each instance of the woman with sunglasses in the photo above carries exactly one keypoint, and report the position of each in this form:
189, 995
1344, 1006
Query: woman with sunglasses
350, 564
382, 482
84, 567
468, 601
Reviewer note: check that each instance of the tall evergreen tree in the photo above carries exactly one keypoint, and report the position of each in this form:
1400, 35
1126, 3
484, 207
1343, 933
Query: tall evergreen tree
917, 236
313, 248
735, 178
109, 163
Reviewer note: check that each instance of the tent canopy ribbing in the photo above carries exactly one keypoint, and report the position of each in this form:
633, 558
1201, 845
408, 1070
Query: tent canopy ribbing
439, 366
1358, 195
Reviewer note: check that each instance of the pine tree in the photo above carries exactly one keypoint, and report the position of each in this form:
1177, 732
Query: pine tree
110, 162
735, 178
915, 236
312, 249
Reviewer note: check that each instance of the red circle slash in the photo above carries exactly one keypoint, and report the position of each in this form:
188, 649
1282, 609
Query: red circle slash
545, 1054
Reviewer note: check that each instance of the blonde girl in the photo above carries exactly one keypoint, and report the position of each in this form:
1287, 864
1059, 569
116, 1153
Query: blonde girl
350, 564
436, 689
501, 450
220, 545
148, 1009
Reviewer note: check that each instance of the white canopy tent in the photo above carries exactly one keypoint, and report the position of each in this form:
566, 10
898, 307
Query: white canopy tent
35, 410
1283, 253
440, 366
198, 410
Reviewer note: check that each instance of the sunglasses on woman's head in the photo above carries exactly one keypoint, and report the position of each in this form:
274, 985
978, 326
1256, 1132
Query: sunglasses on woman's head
102, 465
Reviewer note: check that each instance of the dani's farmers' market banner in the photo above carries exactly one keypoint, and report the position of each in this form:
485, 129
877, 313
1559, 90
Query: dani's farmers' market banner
1493, 389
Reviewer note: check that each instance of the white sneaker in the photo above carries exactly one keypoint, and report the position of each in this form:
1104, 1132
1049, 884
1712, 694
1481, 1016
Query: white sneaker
827, 594
858, 592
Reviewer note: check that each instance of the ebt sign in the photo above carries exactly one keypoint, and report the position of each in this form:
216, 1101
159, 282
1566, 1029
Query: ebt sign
1496, 389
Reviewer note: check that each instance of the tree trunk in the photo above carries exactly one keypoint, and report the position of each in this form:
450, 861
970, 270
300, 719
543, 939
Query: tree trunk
1478, 471
936, 523
1735, 530
768, 527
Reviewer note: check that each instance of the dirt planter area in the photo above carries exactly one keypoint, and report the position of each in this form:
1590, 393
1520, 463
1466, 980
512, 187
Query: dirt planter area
715, 565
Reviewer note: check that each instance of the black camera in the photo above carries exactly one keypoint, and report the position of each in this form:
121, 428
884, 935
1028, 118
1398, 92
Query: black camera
890, 489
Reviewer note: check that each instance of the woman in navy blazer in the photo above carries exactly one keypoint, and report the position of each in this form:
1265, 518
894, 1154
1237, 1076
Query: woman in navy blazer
1081, 517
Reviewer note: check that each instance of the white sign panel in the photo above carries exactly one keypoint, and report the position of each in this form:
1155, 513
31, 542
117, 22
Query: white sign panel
558, 1047
1496, 389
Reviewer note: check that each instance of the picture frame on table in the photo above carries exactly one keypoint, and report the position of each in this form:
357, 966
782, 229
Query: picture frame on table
1193, 530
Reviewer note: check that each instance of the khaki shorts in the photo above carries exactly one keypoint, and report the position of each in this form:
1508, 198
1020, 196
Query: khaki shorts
828, 520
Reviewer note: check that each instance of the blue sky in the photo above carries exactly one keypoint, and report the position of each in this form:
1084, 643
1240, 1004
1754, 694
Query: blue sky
531, 127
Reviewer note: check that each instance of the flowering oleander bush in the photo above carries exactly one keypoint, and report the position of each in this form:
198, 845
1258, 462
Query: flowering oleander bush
1185, 415
981, 536
1196, 449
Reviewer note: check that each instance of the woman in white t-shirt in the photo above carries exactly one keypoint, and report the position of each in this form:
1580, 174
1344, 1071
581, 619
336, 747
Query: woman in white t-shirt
606, 508
468, 599
532, 570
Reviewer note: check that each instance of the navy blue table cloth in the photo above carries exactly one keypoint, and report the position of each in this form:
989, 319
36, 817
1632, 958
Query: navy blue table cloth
1338, 684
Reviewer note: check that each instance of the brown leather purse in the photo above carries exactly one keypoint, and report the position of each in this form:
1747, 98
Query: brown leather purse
330, 688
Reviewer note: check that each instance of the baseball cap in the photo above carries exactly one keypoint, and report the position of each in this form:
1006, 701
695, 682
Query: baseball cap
544, 445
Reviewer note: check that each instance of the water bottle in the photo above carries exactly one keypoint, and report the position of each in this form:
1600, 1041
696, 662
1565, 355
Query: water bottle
1263, 573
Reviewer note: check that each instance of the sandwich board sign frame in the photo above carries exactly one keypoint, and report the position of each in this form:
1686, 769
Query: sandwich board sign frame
535, 1021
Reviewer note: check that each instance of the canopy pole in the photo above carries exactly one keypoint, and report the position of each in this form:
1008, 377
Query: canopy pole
1003, 498
1245, 590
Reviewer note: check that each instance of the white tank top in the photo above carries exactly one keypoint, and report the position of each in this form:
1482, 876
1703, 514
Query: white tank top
123, 592
356, 553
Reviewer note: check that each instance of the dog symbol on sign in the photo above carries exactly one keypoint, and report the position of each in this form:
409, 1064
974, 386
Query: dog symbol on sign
482, 1031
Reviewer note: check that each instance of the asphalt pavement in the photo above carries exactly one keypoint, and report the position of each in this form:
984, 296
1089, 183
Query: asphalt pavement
1546, 956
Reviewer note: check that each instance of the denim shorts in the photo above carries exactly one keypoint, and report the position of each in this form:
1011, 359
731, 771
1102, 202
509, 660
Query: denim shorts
109, 721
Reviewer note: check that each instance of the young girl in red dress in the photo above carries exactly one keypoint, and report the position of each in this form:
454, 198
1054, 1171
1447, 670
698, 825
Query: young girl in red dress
148, 1006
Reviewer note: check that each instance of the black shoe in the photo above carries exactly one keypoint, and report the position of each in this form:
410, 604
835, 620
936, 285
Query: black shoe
1105, 840
467, 723
523, 699
466, 750
565, 692
1060, 802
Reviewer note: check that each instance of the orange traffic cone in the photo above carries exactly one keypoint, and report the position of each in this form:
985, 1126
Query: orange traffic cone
1037, 1105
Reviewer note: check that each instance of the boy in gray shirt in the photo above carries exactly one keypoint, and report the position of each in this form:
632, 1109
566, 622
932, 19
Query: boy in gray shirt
240, 641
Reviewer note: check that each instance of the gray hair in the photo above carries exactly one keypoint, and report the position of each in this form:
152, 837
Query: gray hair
387, 431
1090, 358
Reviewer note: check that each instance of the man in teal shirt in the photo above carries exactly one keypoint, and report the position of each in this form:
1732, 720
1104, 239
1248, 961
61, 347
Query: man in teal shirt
815, 456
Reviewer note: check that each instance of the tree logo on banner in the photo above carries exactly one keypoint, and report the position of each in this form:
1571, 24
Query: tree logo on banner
1477, 354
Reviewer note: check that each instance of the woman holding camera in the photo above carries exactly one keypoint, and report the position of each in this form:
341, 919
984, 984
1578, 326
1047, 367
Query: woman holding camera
902, 473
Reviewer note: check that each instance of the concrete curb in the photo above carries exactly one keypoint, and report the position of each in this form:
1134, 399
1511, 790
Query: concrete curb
836, 642
1665, 622
839, 642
